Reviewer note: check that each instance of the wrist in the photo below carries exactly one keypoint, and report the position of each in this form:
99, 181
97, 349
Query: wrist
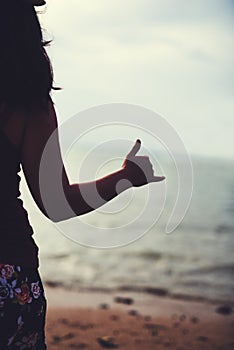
134, 173
123, 180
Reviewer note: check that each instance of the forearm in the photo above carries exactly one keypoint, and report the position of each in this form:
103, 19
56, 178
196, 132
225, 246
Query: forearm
86, 197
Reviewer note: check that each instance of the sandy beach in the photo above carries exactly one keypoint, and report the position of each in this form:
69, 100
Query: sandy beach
136, 321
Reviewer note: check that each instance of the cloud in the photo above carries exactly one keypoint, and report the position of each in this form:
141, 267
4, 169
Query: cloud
121, 13
173, 56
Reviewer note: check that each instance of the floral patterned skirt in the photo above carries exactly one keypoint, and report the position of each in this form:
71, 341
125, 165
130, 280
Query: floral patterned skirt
22, 309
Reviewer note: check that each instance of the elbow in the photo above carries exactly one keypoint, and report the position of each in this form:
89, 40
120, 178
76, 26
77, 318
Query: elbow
55, 220
59, 218
60, 208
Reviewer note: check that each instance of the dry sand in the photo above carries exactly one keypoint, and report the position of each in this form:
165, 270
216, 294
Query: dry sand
136, 321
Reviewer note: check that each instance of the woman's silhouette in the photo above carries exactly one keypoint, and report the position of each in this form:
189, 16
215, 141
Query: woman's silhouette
27, 119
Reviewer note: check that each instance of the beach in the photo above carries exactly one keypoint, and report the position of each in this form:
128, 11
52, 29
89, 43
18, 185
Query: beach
136, 321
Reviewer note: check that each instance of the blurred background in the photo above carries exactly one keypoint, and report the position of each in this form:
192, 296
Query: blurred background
176, 58
171, 56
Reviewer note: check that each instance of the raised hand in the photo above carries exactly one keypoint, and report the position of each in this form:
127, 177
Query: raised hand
138, 169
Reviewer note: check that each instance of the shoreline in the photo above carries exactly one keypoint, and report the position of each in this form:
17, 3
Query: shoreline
134, 320
154, 291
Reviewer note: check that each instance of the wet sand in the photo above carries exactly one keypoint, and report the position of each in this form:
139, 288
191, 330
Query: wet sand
136, 321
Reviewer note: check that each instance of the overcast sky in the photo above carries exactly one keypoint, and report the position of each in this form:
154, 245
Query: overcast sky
172, 56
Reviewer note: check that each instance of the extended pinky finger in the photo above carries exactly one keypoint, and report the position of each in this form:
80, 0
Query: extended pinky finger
158, 178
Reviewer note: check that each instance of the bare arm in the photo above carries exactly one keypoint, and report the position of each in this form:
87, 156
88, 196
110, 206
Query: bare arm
81, 198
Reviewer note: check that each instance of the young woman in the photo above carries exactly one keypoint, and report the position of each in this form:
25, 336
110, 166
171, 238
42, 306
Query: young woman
27, 119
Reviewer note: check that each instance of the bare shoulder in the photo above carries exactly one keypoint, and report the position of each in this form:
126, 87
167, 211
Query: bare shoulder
12, 124
38, 128
42, 119
23, 128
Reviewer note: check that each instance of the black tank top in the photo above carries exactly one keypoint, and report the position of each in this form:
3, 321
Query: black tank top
17, 246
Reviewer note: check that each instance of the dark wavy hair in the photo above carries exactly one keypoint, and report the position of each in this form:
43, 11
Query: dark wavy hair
26, 75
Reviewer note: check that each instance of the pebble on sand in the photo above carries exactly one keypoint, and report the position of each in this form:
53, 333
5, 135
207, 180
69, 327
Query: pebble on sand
224, 310
107, 342
122, 300
104, 306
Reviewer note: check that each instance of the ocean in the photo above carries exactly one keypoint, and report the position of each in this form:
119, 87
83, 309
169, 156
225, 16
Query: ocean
196, 260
